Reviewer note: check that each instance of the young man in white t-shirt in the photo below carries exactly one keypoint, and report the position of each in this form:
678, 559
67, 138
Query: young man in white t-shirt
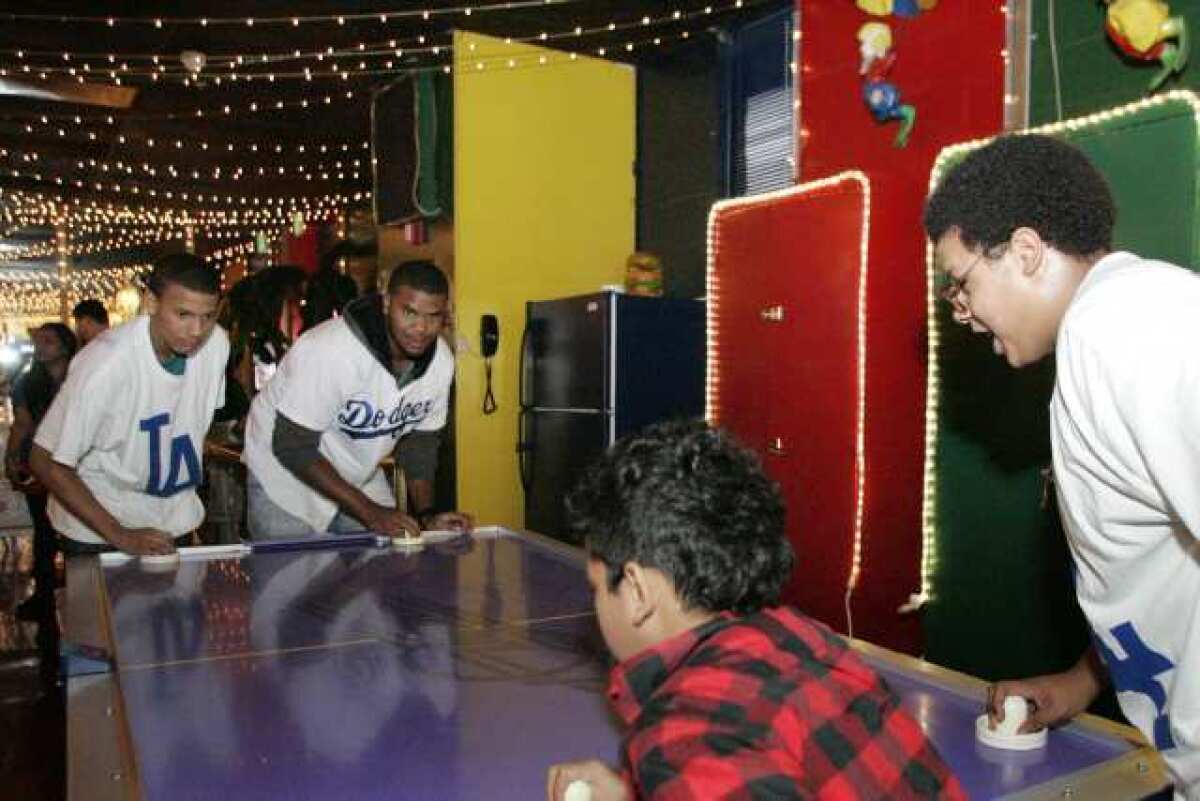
346, 395
120, 448
1022, 230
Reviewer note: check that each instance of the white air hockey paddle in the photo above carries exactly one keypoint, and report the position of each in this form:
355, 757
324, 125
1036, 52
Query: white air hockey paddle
160, 561
1006, 735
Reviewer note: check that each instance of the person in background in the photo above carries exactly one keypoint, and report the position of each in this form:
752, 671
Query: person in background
53, 347
120, 448
722, 692
91, 320
1022, 230
263, 317
328, 292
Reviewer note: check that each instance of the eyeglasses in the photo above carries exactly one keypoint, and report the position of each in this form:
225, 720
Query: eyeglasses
952, 287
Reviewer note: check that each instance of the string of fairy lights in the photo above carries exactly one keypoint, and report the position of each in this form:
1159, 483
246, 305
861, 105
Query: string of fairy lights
165, 227
340, 18
74, 220
69, 129
92, 247
348, 170
151, 185
262, 105
47, 249
42, 201
20, 210
256, 200
386, 53
231, 252
118, 238
44, 295
366, 60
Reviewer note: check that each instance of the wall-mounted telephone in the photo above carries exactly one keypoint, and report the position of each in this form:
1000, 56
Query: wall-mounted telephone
489, 342
489, 335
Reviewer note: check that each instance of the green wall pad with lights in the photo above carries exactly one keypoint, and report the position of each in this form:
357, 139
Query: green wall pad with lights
1069, 41
997, 571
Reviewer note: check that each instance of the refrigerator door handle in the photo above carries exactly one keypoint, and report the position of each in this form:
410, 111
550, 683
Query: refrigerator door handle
526, 368
524, 450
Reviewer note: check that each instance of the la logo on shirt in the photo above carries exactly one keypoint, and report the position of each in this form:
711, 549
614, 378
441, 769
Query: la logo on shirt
183, 457
360, 418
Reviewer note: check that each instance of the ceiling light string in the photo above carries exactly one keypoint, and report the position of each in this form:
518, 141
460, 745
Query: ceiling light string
394, 50
339, 19
337, 170
391, 47
18, 204
73, 132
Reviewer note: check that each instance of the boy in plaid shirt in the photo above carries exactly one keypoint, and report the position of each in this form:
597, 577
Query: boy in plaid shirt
725, 695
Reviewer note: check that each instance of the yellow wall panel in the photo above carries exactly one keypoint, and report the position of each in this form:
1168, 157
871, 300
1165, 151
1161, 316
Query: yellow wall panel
544, 207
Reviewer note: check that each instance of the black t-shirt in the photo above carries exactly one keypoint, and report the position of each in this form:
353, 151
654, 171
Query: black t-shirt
34, 390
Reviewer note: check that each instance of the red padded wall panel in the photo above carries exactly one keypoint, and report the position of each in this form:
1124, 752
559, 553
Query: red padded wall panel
784, 294
950, 66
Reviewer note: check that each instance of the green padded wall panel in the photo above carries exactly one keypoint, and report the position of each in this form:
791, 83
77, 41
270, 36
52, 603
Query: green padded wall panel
1093, 75
1001, 602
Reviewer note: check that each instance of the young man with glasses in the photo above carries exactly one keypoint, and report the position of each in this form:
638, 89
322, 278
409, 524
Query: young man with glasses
1022, 230
346, 395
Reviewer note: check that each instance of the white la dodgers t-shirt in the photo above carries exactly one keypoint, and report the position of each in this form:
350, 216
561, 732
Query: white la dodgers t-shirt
330, 382
1125, 425
133, 432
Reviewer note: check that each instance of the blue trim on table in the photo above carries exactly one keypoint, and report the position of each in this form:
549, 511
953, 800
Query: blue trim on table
354, 540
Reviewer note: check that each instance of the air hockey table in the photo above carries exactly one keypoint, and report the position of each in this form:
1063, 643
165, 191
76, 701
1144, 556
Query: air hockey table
344, 668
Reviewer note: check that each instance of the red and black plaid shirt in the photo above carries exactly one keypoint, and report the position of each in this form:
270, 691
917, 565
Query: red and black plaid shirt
769, 706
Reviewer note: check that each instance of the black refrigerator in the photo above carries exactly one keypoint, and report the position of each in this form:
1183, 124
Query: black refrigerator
594, 368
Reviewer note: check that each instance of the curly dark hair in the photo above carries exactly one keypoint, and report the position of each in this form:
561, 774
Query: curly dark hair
692, 502
254, 307
1025, 180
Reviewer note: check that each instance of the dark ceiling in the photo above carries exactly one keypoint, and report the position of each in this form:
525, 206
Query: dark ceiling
233, 136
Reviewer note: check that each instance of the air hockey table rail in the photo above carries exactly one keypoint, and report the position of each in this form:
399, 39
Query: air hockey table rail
456, 672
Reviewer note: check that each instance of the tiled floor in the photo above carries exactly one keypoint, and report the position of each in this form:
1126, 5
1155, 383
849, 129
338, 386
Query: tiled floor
32, 719
32, 724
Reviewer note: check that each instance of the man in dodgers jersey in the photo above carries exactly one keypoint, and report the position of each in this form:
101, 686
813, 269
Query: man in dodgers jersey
348, 393
120, 448
1023, 230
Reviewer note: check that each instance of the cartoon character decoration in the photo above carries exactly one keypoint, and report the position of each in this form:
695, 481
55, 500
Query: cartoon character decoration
900, 8
643, 275
1142, 29
881, 96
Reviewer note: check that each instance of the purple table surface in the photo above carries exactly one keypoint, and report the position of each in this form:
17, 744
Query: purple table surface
446, 673
1089, 758
361, 674
948, 718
